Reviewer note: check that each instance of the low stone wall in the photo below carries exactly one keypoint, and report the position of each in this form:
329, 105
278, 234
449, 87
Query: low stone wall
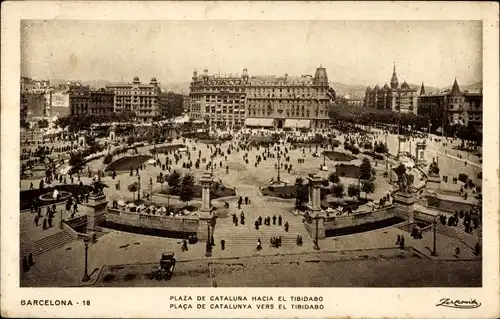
453, 206
335, 222
183, 224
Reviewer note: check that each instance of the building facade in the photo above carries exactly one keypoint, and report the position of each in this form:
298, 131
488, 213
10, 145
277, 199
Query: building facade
449, 108
142, 99
33, 105
394, 97
265, 101
84, 101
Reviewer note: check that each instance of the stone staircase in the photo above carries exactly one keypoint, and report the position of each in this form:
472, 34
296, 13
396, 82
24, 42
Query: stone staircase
459, 233
247, 236
52, 242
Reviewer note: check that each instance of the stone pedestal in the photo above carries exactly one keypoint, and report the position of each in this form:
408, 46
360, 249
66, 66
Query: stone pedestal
433, 182
95, 210
112, 133
404, 204
420, 152
82, 139
314, 193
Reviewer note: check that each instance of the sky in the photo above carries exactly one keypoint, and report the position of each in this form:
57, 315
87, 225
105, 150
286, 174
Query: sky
353, 52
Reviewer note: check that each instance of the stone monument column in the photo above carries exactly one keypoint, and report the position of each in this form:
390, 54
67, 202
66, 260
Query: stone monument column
315, 183
112, 133
404, 204
204, 228
96, 211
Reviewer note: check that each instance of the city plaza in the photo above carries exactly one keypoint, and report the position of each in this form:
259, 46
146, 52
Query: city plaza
120, 257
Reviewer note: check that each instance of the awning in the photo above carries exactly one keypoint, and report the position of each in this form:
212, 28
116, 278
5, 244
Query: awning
262, 122
290, 123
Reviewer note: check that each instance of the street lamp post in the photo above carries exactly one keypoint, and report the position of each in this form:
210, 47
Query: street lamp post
316, 246
434, 252
86, 276
279, 157
387, 148
139, 187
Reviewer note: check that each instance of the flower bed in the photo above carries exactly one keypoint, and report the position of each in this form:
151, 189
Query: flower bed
339, 156
220, 192
166, 148
124, 163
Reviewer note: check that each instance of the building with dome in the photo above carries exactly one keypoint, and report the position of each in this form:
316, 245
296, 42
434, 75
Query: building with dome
137, 97
261, 101
394, 97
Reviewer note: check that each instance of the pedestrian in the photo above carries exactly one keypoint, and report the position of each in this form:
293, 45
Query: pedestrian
184, 245
279, 220
257, 225
457, 252
44, 224
222, 244
274, 220
286, 226
50, 221
25, 264
402, 242
259, 245
36, 220
398, 240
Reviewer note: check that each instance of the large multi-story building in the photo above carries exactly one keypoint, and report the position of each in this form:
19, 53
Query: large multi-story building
264, 101
142, 99
402, 99
32, 106
171, 104
29, 85
449, 108
84, 101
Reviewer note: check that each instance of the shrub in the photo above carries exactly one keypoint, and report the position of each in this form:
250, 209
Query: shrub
463, 177
354, 150
107, 159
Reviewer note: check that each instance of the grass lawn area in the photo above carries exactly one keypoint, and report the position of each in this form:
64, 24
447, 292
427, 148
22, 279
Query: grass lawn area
166, 148
339, 156
286, 192
220, 192
214, 142
28, 197
124, 163
349, 170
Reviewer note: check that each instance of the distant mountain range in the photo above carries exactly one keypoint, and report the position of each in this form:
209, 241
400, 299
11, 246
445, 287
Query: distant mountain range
353, 90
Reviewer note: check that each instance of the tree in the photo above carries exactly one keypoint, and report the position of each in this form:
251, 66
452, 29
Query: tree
333, 178
353, 190
400, 170
380, 148
368, 188
43, 123
174, 179
301, 193
24, 124
134, 187
365, 169
338, 191
187, 188
75, 159
107, 159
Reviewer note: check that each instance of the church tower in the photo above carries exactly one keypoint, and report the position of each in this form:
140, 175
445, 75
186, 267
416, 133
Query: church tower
394, 79
422, 89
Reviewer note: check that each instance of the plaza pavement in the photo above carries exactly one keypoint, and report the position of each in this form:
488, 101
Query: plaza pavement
66, 263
